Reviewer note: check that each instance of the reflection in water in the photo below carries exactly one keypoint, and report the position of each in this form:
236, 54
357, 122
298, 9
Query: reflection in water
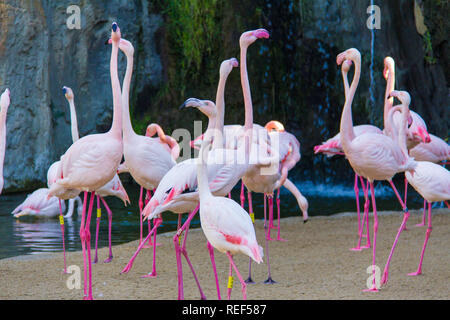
31, 236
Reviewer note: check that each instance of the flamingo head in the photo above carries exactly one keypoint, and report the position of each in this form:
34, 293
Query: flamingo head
248, 37
68, 93
274, 126
5, 99
228, 65
121, 193
421, 134
207, 107
389, 66
349, 54
115, 32
403, 96
346, 66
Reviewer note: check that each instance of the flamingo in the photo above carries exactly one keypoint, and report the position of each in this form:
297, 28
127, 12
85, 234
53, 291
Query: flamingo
173, 194
37, 205
436, 151
417, 129
224, 174
372, 156
290, 155
333, 146
5, 100
92, 161
147, 159
226, 225
112, 188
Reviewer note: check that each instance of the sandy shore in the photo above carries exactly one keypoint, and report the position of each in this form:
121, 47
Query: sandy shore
315, 263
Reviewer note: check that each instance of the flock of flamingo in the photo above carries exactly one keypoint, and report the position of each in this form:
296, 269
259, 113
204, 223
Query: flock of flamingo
260, 156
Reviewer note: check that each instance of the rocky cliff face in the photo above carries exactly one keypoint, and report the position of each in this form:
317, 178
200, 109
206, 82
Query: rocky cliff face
39, 54
178, 51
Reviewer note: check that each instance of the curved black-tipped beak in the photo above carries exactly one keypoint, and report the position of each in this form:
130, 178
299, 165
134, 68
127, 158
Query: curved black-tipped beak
114, 26
191, 102
64, 90
305, 221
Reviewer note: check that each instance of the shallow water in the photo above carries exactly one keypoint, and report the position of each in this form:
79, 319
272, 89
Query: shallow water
34, 236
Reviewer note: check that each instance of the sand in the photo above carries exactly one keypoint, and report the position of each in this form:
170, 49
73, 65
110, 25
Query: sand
315, 263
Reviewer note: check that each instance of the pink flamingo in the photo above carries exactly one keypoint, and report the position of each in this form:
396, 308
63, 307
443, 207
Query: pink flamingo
173, 193
38, 205
147, 159
436, 151
226, 225
92, 161
430, 180
4, 104
333, 146
223, 175
372, 156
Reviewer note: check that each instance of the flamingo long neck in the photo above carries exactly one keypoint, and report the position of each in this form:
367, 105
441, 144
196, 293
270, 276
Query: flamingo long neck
398, 134
346, 128
248, 124
116, 128
2, 142
220, 105
73, 121
202, 172
345, 79
126, 120
390, 85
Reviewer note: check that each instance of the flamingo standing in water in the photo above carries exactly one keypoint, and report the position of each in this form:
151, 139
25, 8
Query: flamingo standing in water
333, 146
147, 159
372, 156
37, 205
226, 225
4, 104
92, 161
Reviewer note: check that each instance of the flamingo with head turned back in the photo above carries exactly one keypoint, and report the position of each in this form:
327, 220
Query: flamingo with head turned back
37, 205
5, 100
147, 159
112, 188
372, 156
226, 225
92, 161
333, 146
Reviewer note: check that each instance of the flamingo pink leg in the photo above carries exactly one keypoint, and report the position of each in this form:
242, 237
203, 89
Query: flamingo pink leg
213, 262
83, 242
229, 288
178, 252
267, 230
109, 230
250, 210
61, 217
427, 236
385, 277
243, 285
97, 229
141, 205
365, 220
130, 263
278, 219
156, 223
357, 202
150, 243
375, 231
88, 244
423, 215
242, 195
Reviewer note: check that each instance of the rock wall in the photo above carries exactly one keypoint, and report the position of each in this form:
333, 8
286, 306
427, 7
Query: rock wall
178, 51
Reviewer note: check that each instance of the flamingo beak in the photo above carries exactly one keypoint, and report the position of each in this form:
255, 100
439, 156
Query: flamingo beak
261, 33
423, 134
